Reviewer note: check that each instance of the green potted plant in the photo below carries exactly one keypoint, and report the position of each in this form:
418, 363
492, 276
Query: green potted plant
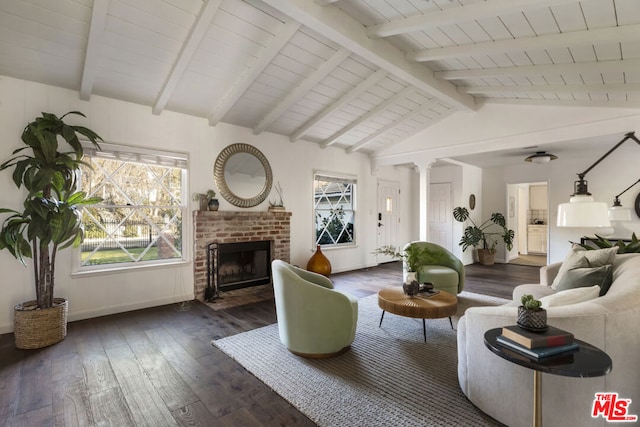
414, 256
207, 200
623, 248
50, 220
531, 315
484, 236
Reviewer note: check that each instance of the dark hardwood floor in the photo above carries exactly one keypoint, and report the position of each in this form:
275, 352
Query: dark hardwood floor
157, 366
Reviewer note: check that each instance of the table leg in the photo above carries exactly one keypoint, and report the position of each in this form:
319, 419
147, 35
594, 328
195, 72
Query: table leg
451, 322
381, 317
424, 330
537, 398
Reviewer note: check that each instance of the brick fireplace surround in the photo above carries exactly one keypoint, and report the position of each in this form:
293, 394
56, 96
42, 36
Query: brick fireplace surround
237, 226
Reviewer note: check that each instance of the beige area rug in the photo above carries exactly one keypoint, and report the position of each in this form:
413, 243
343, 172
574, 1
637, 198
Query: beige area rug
389, 377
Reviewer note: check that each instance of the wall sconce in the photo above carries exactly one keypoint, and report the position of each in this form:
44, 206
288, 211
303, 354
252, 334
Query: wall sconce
617, 212
582, 210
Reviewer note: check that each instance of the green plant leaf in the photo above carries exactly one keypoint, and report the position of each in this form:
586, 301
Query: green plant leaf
460, 214
499, 219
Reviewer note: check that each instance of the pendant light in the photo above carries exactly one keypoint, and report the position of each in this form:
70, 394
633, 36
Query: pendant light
582, 210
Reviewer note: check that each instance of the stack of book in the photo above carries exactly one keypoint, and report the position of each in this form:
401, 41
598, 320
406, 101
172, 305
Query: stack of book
537, 345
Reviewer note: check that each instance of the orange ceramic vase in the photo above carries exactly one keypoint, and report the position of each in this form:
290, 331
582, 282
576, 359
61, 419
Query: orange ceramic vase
318, 263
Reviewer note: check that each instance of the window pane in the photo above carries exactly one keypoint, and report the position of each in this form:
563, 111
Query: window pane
140, 218
334, 210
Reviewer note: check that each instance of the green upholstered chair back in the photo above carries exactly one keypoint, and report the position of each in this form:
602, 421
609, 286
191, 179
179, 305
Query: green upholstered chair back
445, 258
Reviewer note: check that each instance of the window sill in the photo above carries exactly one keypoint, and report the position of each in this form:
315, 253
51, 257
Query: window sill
127, 269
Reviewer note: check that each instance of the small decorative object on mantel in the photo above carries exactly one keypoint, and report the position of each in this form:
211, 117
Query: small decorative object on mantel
207, 200
318, 263
531, 316
279, 205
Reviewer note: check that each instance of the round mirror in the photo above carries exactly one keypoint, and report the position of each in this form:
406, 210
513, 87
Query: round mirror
243, 175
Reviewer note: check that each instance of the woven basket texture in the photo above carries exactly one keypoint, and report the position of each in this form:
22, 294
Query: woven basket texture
532, 319
36, 327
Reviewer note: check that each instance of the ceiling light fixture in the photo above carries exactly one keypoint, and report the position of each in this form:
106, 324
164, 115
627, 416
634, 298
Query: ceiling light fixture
540, 157
617, 212
582, 210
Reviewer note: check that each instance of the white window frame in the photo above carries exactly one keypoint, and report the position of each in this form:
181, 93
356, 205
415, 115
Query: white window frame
146, 156
353, 179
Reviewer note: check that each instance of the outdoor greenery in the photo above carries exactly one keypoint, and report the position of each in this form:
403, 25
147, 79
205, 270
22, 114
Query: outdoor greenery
51, 218
142, 204
333, 229
334, 200
117, 256
486, 234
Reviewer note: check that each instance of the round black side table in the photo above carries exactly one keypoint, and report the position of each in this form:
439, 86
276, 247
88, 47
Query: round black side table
586, 361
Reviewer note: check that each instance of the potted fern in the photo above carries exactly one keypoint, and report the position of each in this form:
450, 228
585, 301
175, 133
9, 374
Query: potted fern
484, 236
50, 220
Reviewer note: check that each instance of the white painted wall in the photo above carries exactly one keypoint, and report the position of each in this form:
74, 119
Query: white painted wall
506, 126
131, 124
609, 178
466, 180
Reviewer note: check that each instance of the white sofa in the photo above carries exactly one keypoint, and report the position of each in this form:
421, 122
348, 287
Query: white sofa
611, 322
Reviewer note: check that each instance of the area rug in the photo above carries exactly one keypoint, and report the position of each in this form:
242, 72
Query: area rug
390, 376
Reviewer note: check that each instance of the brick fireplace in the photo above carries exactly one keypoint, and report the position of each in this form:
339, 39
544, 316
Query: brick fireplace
233, 227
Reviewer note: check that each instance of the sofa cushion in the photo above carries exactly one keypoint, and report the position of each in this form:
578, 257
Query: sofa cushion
570, 296
586, 277
595, 258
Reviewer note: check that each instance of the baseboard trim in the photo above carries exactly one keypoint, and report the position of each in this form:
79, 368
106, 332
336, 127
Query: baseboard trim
115, 309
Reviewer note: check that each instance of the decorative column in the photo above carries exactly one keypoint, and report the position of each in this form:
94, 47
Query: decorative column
424, 168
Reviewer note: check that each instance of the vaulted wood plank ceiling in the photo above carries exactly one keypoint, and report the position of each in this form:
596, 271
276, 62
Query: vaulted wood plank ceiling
356, 74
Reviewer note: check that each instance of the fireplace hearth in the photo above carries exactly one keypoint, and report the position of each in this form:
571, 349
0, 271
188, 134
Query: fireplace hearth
236, 227
237, 265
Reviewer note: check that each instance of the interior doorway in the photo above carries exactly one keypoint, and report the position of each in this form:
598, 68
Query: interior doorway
441, 215
528, 217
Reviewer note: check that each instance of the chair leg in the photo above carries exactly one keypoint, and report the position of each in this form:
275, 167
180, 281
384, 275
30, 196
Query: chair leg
381, 317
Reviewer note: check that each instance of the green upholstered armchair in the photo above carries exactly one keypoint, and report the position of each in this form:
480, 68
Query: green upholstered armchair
314, 320
447, 275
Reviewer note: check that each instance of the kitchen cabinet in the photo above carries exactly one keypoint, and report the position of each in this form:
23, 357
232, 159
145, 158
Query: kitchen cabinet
538, 197
537, 239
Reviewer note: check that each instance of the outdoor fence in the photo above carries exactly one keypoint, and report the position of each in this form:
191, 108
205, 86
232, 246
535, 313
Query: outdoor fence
130, 234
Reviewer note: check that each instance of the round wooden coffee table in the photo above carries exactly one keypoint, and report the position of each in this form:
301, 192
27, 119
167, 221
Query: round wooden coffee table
436, 306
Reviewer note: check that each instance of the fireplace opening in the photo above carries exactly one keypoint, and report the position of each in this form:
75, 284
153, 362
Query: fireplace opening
237, 265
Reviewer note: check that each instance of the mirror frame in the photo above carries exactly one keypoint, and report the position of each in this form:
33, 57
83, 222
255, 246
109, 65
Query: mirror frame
221, 183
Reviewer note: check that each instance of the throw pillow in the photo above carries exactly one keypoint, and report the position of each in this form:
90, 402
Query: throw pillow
595, 258
586, 277
570, 296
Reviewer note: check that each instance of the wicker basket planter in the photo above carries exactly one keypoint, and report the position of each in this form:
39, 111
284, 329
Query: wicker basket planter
486, 257
36, 327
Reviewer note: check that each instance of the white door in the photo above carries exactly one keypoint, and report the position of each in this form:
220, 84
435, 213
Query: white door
441, 215
388, 216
